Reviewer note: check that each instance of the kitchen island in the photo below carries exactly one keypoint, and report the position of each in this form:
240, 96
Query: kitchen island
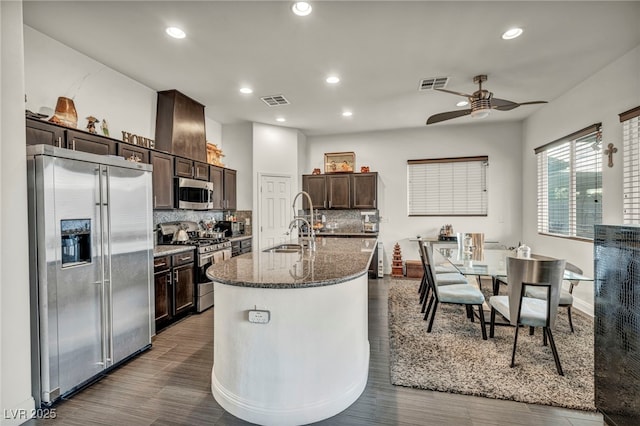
290, 331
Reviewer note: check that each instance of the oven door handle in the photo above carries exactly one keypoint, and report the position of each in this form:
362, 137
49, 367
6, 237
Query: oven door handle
206, 256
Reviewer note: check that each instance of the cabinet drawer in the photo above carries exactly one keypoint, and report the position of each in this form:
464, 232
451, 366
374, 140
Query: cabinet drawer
161, 263
183, 258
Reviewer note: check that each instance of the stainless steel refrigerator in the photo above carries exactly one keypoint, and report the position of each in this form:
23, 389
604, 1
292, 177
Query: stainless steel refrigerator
91, 257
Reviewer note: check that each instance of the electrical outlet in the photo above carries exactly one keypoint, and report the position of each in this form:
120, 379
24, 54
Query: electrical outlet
259, 316
247, 222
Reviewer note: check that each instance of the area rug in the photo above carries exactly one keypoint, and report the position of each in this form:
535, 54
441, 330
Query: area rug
454, 358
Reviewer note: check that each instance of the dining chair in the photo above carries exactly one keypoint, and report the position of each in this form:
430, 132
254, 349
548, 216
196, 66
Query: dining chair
457, 294
446, 276
520, 309
473, 242
566, 296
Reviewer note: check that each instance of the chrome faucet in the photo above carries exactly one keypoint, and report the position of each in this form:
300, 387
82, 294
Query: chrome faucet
311, 238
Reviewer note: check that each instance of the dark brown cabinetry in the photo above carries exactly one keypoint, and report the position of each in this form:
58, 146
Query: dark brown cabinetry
191, 169
86, 142
364, 187
316, 187
133, 153
341, 191
230, 198
180, 126
216, 176
162, 180
174, 287
39, 132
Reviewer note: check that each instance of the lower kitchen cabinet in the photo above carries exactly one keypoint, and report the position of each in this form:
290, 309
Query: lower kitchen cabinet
174, 287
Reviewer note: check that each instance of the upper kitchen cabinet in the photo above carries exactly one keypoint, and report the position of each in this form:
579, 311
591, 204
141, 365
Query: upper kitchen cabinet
341, 191
162, 180
364, 187
40, 132
230, 198
316, 187
216, 178
191, 169
87, 142
133, 152
180, 126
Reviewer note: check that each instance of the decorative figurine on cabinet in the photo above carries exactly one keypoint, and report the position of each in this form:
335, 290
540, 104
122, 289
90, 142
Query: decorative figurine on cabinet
91, 124
105, 127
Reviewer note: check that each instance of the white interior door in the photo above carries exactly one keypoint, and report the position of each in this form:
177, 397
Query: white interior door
275, 210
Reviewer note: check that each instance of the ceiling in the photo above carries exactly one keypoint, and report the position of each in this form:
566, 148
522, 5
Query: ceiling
380, 50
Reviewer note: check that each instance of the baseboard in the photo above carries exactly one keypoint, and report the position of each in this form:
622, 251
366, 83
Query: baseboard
584, 307
20, 413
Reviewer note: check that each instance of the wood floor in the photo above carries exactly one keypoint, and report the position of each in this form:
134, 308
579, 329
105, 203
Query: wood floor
170, 385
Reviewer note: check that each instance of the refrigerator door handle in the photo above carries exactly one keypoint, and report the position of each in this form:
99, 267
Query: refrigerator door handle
105, 224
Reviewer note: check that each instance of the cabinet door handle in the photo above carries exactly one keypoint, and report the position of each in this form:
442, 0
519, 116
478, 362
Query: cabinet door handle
324, 204
329, 203
59, 142
73, 144
185, 258
175, 277
155, 201
160, 264
169, 278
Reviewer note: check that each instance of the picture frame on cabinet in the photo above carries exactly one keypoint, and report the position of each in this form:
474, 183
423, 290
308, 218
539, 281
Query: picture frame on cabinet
339, 162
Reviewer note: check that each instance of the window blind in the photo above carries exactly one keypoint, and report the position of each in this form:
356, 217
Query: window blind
569, 174
447, 187
631, 165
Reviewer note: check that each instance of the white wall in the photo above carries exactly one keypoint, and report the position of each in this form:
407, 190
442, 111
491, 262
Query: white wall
237, 143
53, 69
387, 153
600, 98
15, 348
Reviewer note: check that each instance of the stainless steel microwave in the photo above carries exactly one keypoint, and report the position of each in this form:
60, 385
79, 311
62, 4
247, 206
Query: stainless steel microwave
194, 194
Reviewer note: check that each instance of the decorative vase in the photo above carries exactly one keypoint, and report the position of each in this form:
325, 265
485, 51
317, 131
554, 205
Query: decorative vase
66, 113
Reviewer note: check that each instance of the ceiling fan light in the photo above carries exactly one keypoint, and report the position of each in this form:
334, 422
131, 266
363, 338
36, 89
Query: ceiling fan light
480, 113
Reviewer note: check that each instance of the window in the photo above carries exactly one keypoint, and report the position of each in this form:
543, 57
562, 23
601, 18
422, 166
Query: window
447, 186
631, 165
570, 184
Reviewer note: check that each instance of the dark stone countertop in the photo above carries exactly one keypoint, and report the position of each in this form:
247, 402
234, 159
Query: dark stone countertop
335, 260
168, 249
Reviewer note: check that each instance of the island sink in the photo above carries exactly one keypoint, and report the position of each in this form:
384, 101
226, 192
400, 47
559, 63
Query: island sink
284, 248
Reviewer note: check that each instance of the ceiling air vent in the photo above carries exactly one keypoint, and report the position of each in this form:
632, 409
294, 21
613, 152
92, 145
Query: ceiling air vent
274, 100
433, 83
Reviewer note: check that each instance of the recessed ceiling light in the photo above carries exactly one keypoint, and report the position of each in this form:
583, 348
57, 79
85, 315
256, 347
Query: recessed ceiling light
462, 103
281, 119
332, 79
347, 114
246, 90
512, 33
301, 8
175, 32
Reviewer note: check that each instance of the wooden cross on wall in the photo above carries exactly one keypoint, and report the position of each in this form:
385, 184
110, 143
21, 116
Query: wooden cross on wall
610, 151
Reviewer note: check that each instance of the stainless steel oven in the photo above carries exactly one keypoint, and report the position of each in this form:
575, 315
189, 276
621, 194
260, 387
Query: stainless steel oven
207, 256
193, 194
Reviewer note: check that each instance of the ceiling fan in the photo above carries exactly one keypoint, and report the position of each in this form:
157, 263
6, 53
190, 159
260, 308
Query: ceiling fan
481, 101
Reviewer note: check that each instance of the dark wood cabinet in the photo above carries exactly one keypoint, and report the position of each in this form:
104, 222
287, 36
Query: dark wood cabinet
338, 191
230, 197
162, 289
162, 180
180, 126
183, 167
200, 170
40, 132
216, 178
341, 191
133, 152
316, 187
183, 283
174, 287
364, 187
86, 142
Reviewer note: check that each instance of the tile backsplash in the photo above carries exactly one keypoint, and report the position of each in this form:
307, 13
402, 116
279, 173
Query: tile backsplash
162, 216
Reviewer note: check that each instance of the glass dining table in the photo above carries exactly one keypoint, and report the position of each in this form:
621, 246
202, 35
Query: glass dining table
488, 262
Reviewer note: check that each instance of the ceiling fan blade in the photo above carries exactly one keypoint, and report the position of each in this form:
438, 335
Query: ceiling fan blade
447, 115
503, 104
509, 107
454, 93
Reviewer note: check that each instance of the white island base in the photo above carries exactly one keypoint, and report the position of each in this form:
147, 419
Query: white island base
308, 363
